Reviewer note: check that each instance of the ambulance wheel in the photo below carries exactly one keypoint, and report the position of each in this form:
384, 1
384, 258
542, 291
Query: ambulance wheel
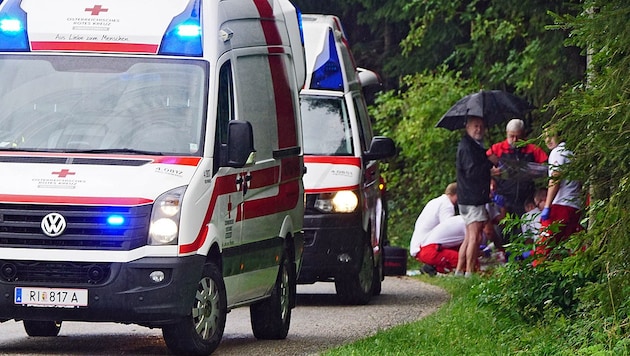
201, 331
271, 317
42, 327
357, 288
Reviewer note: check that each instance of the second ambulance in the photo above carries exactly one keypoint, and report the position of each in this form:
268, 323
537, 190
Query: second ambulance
344, 221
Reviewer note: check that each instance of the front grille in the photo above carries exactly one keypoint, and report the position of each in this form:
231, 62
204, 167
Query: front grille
76, 273
86, 227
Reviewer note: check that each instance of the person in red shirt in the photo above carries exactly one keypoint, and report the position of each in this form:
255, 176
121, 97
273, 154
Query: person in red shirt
520, 164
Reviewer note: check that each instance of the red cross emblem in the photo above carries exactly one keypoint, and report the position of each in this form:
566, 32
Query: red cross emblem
96, 10
64, 173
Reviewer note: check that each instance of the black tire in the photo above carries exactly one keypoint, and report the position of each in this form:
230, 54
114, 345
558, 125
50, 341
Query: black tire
200, 332
42, 327
357, 288
271, 317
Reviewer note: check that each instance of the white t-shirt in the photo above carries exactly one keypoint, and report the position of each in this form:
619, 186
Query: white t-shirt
531, 223
569, 192
449, 233
436, 211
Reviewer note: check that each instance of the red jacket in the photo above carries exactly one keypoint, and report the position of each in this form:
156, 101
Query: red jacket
514, 189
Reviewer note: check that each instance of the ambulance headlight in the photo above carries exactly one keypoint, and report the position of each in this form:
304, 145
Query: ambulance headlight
165, 217
345, 201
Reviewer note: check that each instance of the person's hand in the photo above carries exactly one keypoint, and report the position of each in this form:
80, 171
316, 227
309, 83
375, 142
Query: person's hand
544, 215
493, 158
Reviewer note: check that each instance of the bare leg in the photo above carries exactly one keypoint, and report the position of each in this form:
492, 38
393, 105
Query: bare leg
473, 230
461, 258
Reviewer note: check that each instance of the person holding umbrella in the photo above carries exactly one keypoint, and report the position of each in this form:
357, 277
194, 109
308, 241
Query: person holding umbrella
473, 191
475, 112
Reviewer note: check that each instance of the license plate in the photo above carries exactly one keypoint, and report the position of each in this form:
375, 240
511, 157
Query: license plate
51, 297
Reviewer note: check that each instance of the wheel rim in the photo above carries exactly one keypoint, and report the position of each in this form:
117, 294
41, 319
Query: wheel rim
367, 273
205, 312
284, 293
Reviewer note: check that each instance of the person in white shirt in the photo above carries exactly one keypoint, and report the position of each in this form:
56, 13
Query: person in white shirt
435, 211
562, 205
440, 249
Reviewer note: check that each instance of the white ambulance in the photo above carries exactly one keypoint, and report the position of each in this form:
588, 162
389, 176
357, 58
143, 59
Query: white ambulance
151, 165
344, 222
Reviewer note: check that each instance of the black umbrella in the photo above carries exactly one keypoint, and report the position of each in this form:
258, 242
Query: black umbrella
494, 106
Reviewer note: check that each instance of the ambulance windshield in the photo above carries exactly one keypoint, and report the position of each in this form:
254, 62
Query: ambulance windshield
99, 104
327, 130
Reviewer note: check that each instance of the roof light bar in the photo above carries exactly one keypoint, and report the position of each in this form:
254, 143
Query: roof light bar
183, 36
13, 36
329, 75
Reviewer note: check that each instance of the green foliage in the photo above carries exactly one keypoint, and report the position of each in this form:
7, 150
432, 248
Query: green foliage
594, 118
464, 327
532, 294
503, 45
425, 164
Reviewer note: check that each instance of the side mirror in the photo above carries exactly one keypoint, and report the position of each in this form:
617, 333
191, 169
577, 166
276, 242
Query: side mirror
239, 150
381, 147
368, 77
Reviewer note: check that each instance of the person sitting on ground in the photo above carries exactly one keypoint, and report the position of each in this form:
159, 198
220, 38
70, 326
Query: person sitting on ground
531, 218
439, 251
435, 211
496, 213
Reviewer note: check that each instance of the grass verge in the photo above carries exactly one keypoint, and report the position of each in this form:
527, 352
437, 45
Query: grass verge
462, 327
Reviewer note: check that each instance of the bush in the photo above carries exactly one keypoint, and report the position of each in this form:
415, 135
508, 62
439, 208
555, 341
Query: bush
531, 294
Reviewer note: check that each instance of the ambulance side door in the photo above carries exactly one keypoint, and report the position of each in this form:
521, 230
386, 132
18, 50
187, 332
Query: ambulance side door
230, 198
370, 179
261, 247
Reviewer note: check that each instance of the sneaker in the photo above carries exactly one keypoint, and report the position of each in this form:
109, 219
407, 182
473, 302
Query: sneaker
428, 269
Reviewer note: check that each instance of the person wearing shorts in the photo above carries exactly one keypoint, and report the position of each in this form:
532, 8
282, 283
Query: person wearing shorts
473, 191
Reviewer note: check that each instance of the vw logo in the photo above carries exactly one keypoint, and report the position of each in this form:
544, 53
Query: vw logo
53, 224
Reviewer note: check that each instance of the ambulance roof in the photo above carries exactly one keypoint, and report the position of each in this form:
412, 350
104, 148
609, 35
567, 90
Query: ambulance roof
170, 27
329, 62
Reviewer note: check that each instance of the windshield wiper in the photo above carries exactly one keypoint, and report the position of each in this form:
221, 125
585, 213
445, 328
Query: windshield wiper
118, 150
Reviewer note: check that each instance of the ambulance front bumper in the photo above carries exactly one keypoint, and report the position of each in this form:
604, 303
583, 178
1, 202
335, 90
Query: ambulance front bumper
332, 246
127, 295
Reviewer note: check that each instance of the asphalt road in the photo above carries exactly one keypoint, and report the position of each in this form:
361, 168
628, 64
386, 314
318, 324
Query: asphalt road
319, 322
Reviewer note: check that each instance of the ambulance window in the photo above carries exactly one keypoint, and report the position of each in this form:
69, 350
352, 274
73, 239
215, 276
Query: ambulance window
365, 129
225, 104
258, 92
326, 125
88, 103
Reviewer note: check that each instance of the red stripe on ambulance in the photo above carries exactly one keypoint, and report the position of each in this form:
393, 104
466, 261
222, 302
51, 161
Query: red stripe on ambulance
65, 200
95, 47
285, 111
351, 161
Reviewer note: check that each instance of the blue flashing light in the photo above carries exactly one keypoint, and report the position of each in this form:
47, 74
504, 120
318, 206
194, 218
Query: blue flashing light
301, 27
115, 220
186, 30
10, 25
13, 36
183, 35
329, 76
